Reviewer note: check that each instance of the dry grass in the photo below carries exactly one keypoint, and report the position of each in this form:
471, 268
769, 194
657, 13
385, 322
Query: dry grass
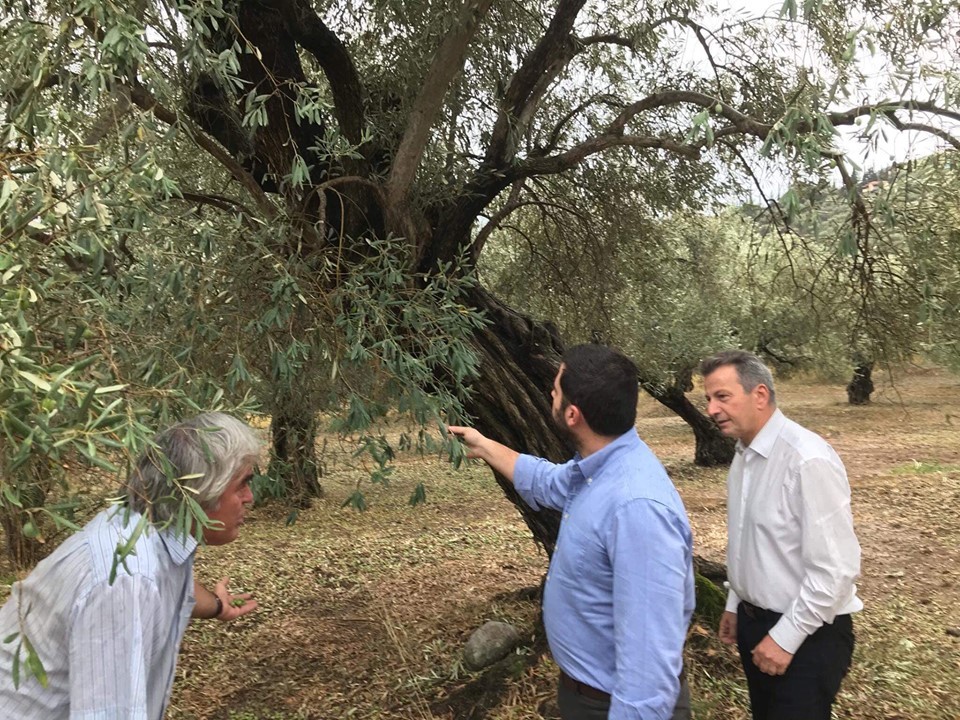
364, 615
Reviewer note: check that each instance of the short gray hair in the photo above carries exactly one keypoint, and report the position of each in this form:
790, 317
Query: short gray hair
750, 369
207, 451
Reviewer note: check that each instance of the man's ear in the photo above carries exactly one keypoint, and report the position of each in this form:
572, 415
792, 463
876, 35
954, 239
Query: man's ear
763, 395
572, 416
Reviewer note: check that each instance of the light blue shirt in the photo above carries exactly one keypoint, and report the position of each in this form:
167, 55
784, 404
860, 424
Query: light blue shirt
619, 593
109, 651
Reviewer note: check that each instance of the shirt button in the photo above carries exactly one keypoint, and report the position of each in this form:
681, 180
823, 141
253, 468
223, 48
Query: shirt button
589, 480
566, 515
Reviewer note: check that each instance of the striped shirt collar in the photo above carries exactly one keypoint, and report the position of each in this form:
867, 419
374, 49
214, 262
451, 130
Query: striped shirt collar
180, 549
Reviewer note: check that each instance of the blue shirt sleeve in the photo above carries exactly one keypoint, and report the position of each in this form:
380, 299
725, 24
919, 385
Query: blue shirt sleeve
542, 483
651, 555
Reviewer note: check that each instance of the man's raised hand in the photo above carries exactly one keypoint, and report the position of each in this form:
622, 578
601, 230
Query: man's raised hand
470, 437
498, 456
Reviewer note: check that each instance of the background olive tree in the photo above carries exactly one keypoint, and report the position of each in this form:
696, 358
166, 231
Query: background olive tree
828, 308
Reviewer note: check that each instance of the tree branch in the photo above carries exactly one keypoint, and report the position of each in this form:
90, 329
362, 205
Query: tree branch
631, 43
550, 55
218, 201
769, 205
492, 177
740, 121
16, 94
513, 202
554, 138
446, 63
609, 39
860, 209
699, 32
921, 127
306, 27
887, 107
743, 123
109, 118
575, 155
142, 98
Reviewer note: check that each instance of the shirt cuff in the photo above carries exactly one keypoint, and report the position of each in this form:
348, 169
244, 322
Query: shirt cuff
787, 635
732, 599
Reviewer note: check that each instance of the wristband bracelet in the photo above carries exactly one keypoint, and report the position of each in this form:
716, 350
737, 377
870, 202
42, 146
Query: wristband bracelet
219, 611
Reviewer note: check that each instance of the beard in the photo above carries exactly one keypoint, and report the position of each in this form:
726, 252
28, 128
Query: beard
563, 431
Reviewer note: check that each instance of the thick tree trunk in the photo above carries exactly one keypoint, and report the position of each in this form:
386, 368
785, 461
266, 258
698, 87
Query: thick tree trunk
861, 386
294, 456
712, 448
511, 403
519, 358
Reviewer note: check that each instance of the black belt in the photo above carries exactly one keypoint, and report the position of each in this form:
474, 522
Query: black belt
758, 613
583, 689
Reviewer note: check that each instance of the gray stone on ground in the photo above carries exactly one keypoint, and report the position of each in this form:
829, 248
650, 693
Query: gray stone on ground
489, 643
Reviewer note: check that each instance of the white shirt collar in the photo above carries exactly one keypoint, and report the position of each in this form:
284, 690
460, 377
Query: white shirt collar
763, 441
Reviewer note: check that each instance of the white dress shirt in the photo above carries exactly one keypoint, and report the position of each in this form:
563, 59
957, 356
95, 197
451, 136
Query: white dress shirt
109, 650
791, 546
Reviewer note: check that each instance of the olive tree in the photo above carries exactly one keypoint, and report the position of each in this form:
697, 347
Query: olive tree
345, 134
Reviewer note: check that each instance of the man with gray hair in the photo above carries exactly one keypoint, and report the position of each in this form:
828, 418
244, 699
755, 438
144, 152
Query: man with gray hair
792, 555
106, 611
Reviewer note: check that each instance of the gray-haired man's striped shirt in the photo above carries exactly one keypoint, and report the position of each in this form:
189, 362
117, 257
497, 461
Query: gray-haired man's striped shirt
109, 650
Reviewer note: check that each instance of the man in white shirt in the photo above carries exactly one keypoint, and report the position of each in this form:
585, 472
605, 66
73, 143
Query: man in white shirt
107, 632
792, 555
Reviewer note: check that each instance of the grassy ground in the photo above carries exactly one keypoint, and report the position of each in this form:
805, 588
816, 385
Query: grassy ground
364, 615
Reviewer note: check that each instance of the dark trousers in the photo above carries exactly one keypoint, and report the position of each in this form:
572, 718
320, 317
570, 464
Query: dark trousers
807, 689
576, 706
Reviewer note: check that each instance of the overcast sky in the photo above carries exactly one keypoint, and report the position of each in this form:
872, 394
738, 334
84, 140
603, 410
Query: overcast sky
895, 147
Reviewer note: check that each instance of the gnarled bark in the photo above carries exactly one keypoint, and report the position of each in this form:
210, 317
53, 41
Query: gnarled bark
519, 358
511, 401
